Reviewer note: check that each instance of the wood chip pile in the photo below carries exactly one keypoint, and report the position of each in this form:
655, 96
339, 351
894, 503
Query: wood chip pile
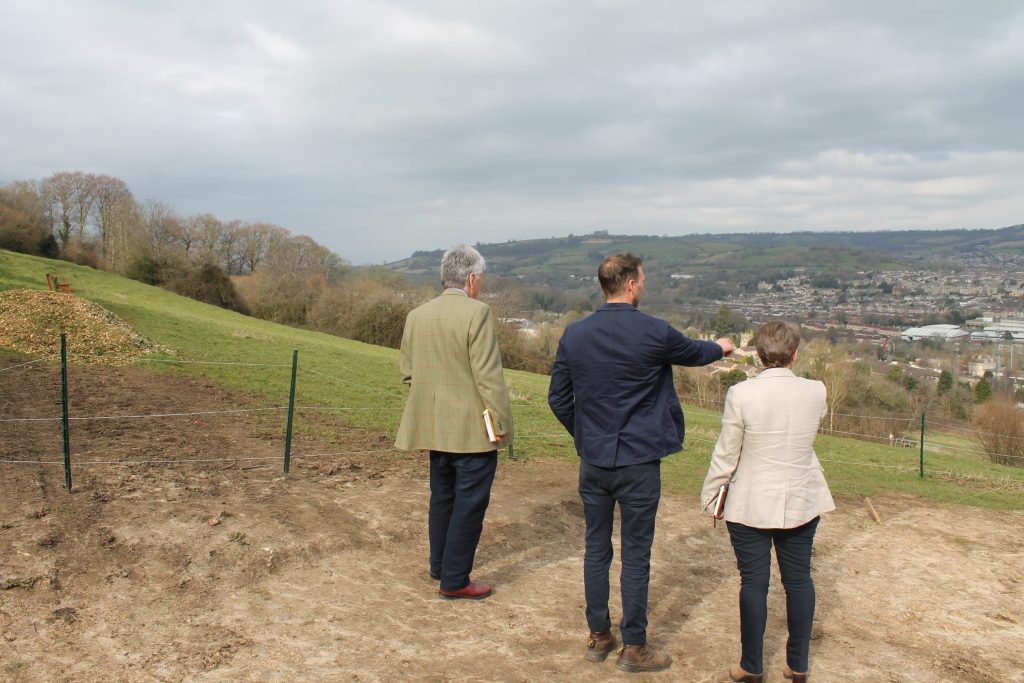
31, 322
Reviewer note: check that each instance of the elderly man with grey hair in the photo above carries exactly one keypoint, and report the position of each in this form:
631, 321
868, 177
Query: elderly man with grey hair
450, 360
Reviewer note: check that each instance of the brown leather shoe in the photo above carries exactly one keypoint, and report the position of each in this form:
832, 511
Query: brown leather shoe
738, 675
791, 675
642, 659
472, 591
600, 646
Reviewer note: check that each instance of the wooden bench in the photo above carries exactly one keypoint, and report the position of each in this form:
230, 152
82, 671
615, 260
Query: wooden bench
55, 286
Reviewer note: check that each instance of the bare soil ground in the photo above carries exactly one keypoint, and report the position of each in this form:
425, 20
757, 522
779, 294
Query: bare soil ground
226, 571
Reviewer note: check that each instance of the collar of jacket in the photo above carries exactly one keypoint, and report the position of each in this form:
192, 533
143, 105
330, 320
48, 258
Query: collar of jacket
617, 307
454, 290
776, 372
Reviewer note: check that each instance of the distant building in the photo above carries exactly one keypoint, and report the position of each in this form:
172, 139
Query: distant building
979, 367
994, 328
936, 332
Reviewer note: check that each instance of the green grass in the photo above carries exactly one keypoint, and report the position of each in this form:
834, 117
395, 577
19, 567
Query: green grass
363, 383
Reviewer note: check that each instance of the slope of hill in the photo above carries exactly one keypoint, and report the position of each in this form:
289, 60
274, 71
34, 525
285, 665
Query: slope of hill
832, 251
360, 383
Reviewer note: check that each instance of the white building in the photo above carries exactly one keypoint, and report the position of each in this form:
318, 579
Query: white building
937, 332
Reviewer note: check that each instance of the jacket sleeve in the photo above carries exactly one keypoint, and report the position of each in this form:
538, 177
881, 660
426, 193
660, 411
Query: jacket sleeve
485, 361
681, 350
561, 398
405, 354
726, 455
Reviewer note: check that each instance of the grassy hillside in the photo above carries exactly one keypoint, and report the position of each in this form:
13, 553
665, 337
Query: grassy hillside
362, 382
832, 251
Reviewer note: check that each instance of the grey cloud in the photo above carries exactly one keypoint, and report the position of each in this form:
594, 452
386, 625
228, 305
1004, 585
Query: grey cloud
379, 127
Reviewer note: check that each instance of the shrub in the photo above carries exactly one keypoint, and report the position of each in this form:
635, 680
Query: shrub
48, 247
82, 253
731, 377
364, 310
1001, 431
208, 283
146, 269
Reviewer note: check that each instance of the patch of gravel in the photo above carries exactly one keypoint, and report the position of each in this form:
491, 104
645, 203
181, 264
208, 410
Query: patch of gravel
31, 322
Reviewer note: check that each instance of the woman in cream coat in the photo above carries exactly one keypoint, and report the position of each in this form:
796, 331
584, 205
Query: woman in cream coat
776, 495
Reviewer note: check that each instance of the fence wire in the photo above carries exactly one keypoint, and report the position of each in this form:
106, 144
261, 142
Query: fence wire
694, 438
179, 361
31, 362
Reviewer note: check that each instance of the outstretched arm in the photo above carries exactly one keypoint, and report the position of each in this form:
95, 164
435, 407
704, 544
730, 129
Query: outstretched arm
681, 350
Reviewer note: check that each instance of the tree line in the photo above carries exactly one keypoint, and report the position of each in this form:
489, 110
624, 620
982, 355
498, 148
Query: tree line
256, 268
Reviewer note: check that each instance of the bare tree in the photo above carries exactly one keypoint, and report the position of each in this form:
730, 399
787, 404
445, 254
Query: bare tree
162, 229
256, 241
84, 198
829, 365
117, 217
296, 271
70, 198
697, 385
187, 232
58, 198
23, 223
206, 232
228, 247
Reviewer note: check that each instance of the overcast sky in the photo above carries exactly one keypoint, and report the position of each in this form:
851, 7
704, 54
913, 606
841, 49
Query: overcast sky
379, 128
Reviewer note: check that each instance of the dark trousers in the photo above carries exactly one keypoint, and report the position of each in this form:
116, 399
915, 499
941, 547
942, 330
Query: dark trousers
637, 490
753, 549
460, 490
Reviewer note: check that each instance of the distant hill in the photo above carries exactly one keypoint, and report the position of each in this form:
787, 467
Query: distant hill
578, 256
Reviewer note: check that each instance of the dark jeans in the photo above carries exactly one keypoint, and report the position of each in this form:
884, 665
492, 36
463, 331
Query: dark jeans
460, 490
637, 490
753, 549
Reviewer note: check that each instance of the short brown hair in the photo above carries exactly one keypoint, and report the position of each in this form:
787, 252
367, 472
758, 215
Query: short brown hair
616, 270
777, 341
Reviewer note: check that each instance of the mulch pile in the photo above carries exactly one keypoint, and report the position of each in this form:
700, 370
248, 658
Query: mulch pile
31, 322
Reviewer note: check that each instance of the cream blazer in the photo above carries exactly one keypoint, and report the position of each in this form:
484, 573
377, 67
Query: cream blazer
766, 450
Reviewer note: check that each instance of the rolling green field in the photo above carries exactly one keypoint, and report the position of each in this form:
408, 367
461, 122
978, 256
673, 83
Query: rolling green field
362, 383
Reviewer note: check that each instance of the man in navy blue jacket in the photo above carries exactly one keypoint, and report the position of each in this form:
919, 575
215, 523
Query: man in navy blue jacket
611, 387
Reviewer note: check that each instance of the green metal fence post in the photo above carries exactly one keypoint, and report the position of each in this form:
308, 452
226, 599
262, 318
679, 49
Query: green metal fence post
64, 409
922, 446
291, 413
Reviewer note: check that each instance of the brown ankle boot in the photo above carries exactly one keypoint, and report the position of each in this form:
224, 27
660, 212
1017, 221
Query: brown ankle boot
641, 659
738, 675
791, 675
600, 646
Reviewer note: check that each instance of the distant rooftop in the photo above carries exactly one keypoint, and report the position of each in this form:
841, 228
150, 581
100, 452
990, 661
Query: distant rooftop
940, 332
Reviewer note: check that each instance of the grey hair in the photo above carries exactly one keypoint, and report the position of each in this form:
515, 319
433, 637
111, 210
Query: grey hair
457, 263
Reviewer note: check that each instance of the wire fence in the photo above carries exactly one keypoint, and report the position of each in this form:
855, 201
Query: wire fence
387, 403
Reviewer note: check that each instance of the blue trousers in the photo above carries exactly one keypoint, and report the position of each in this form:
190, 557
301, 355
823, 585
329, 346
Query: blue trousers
753, 548
460, 490
637, 491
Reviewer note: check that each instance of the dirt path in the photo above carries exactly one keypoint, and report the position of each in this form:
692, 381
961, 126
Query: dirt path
210, 572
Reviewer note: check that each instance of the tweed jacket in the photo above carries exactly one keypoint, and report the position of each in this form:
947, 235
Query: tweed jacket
766, 449
450, 359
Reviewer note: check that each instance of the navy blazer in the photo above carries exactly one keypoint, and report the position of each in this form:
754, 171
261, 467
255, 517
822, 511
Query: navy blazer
611, 385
